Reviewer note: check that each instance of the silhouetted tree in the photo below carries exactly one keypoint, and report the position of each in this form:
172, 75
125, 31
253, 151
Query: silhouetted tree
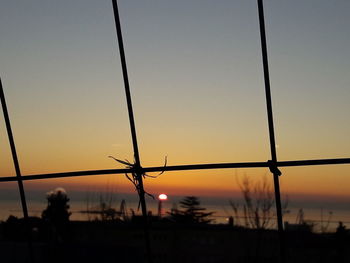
56, 211
191, 212
258, 208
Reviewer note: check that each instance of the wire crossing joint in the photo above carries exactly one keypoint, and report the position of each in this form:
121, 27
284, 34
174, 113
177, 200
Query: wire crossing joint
274, 168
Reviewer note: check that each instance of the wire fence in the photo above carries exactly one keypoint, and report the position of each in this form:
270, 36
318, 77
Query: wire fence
137, 172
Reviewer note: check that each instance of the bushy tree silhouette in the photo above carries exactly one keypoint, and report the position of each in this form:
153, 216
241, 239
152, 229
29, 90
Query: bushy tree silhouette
191, 212
57, 207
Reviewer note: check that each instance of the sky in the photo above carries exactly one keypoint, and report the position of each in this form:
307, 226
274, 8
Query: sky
197, 87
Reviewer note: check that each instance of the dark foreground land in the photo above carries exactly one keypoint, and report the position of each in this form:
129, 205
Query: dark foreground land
99, 241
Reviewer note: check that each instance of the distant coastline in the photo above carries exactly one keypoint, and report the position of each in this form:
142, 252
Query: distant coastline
315, 211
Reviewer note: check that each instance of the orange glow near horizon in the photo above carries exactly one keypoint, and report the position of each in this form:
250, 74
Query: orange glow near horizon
333, 180
302, 182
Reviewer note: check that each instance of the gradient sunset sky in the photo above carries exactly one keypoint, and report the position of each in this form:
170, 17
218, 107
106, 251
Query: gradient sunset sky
197, 86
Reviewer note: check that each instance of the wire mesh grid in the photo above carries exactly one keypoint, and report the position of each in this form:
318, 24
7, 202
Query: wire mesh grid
138, 172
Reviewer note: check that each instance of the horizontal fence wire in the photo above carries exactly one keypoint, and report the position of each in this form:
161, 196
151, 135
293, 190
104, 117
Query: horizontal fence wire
180, 168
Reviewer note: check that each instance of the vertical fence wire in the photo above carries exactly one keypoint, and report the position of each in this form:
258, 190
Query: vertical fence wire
273, 163
138, 168
17, 168
14, 152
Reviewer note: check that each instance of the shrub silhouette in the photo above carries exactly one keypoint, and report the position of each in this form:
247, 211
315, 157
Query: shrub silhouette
57, 207
259, 202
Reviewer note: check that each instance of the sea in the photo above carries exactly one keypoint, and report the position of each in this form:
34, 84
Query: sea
324, 216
